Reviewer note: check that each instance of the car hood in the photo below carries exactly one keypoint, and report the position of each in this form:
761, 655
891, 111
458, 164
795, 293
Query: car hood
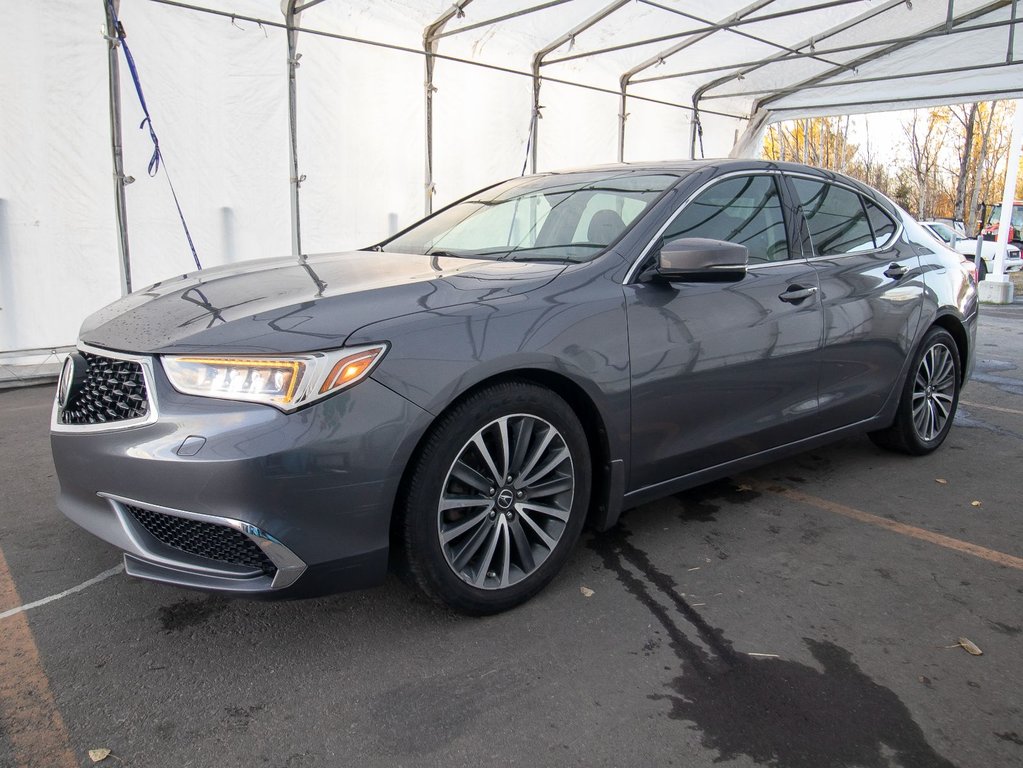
299, 304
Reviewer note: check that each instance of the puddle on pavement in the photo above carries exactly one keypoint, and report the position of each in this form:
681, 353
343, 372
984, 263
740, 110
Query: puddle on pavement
775, 711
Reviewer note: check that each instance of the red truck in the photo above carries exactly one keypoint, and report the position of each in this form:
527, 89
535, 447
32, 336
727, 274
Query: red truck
990, 231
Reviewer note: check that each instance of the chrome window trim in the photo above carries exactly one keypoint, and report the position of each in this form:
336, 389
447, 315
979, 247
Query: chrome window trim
146, 363
630, 276
289, 565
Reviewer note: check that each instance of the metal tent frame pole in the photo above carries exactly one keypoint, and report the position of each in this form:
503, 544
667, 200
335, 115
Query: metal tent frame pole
808, 43
292, 10
662, 56
291, 19
120, 181
431, 37
940, 29
538, 62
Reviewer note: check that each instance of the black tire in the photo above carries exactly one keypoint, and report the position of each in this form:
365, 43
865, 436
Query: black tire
982, 271
932, 385
512, 537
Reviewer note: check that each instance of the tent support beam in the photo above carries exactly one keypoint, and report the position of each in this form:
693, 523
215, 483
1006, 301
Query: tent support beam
120, 202
499, 19
1012, 35
734, 30
271, 24
878, 79
431, 35
807, 43
662, 56
709, 27
538, 61
945, 98
938, 30
749, 66
291, 18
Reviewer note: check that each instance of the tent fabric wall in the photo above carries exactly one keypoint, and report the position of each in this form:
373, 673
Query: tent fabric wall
215, 81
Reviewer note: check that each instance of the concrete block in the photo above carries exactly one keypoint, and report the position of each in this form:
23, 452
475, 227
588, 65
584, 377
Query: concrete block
992, 292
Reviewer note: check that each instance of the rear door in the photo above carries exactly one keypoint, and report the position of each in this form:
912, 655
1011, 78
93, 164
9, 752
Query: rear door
724, 370
871, 294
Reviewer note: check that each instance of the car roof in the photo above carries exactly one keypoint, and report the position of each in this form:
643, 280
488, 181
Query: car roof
683, 168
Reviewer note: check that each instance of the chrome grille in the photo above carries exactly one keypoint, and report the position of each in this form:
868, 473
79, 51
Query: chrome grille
202, 539
112, 390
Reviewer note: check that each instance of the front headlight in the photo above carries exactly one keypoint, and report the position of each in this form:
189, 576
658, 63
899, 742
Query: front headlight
286, 381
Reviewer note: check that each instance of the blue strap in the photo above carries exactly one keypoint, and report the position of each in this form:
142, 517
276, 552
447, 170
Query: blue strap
157, 158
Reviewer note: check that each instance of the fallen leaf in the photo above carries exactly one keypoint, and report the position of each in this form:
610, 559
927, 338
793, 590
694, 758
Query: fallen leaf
587, 592
974, 503
970, 647
96, 755
941, 481
744, 488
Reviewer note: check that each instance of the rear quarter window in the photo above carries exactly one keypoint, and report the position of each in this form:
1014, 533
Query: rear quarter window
836, 218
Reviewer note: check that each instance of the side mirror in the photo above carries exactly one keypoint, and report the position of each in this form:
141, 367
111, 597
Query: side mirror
701, 260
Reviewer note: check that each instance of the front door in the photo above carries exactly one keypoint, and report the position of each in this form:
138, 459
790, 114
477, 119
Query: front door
724, 370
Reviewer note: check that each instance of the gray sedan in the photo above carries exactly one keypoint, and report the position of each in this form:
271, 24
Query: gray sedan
462, 398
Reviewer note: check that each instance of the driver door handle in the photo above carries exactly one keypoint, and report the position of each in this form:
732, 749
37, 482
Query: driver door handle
796, 294
895, 271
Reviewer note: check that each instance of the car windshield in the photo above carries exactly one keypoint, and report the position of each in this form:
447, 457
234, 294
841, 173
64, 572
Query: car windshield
569, 217
1017, 215
942, 231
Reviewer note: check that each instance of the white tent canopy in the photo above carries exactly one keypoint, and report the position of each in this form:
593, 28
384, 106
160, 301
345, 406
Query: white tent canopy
403, 104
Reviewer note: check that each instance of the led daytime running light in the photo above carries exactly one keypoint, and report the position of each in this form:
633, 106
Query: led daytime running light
285, 382
230, 362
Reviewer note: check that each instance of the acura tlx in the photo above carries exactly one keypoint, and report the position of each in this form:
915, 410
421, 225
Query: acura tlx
459, 400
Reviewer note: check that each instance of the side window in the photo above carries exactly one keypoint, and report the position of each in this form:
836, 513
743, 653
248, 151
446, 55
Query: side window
838, 224
883, 226
744, 210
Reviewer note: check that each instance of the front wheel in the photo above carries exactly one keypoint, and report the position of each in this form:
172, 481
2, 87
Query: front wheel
497, 498
929, 398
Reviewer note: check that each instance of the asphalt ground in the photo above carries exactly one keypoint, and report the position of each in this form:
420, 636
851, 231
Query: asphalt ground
805, 615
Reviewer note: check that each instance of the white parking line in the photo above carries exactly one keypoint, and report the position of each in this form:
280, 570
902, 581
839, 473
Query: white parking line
990, 407
94, 580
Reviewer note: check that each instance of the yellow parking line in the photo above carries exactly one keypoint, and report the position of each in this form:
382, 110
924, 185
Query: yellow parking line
28, 711
990, 407
906, 530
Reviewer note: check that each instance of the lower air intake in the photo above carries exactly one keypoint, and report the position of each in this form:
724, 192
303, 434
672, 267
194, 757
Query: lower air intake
202, 539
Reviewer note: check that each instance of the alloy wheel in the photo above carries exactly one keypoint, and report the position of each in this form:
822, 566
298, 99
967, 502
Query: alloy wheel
933, 392
506, 501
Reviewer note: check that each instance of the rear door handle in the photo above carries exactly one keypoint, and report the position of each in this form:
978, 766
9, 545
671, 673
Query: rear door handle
796, 294
895, 271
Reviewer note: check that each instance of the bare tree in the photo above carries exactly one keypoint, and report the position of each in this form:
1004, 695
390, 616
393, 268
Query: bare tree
967, 117
925, 136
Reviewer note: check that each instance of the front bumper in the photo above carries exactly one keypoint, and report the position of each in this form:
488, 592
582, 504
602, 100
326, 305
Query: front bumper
312, 490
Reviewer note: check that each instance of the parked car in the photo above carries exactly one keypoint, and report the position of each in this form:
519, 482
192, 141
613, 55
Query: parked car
968, 247
461, 398
957, 225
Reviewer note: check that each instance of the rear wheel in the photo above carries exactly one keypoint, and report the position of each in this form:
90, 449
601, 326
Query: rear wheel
929, 398
497, 498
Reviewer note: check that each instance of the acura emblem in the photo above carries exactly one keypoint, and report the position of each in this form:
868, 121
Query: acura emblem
71, 376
